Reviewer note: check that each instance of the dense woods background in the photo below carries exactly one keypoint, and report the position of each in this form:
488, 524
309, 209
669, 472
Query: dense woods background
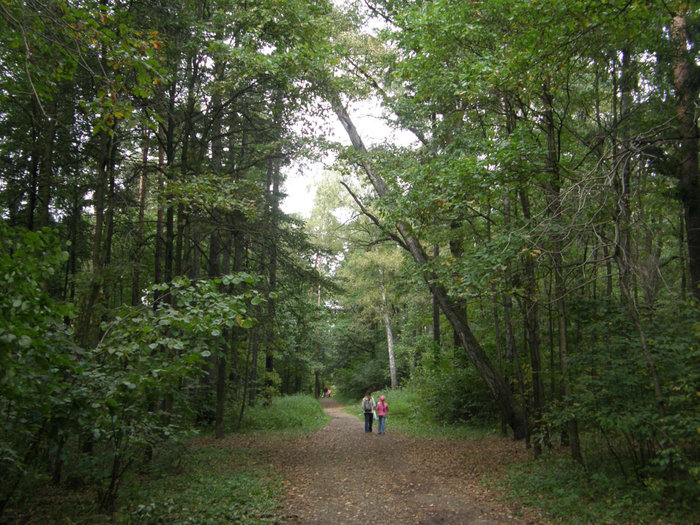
530, 260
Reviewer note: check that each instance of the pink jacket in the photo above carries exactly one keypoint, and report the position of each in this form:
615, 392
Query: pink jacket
382, 408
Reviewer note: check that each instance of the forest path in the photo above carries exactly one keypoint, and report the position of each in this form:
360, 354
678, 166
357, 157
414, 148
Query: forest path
342, 475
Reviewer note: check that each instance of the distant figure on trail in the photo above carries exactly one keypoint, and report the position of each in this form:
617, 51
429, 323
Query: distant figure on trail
368, 406
328, 393
323, 391
382, 409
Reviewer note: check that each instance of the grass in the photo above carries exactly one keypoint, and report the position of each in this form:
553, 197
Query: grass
300, 413
406, 416
215, 483
202, 480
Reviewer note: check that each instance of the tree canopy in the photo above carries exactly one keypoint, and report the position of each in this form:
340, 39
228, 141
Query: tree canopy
531, 259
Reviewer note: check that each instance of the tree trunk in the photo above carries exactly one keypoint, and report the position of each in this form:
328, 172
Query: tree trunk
389, 333
497, 385
160, 213
86, 331
555, 212
531, 319
45, 181
142, 192
623, 253
686, 87
436, 308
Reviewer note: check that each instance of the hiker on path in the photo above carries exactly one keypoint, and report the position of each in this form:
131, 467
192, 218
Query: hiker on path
382, 409
368, 406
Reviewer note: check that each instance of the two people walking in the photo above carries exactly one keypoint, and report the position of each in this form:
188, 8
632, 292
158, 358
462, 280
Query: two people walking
372, 410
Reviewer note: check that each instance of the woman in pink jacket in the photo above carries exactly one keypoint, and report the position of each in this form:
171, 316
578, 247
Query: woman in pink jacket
382, 409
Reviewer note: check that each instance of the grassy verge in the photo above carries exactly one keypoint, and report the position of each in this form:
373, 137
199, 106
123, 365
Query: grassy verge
219, 483
300, 413
202, 480
210, 484
407, 416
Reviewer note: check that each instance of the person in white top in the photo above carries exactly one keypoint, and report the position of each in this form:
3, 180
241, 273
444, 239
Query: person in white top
368, 406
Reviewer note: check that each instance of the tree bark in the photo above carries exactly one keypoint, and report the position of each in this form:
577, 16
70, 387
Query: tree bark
86, 331
436, 308
142, 192
531, 320
684, 71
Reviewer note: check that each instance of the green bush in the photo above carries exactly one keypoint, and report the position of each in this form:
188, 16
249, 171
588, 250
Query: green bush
452, 394
356, 380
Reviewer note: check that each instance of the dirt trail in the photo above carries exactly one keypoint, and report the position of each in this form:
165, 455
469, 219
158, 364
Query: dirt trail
341, 475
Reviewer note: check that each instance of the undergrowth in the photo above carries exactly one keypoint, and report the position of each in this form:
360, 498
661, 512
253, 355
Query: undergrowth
570, 493
211, 485
222, 485
198, 481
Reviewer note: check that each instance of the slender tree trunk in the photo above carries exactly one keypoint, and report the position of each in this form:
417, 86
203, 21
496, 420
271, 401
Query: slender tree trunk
499, 354
72, 266
623, 252
436, 308
555, 212
389, 333
160, 214
531, 318
499, 388
681, 255
142, 192
45, 182
273, 195
253, 375
87, 329
34, 178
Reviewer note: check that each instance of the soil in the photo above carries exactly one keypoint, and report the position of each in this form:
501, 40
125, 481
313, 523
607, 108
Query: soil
342, 475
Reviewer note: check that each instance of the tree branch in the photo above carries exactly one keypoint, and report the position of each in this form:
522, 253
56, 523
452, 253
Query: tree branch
373, 218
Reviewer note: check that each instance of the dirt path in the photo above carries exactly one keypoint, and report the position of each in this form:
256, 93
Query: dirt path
341, 475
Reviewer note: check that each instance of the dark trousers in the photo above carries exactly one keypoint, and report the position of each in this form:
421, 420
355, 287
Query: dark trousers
369, 417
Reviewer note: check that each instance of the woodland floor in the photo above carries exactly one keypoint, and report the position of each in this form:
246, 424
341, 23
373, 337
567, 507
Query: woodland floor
342, 475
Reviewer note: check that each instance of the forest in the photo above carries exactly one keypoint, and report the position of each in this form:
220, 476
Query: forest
527, 260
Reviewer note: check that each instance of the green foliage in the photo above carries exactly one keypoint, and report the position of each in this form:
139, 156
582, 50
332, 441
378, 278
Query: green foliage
37, 361
298, 412
612, 398
362, 376
452, 393
116, 401
570, 493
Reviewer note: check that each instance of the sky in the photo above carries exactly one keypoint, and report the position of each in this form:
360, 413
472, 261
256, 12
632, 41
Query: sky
301, 177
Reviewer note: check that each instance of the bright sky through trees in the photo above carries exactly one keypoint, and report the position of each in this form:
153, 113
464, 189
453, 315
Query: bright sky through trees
302, 176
